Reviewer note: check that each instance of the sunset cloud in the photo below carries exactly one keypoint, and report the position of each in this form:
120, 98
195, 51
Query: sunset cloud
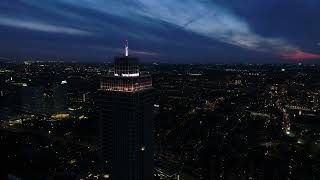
300, 55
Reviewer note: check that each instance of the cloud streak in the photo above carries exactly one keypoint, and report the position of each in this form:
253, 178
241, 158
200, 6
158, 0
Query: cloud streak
208, 19
41, 26
300, 55
111, 17
121, 51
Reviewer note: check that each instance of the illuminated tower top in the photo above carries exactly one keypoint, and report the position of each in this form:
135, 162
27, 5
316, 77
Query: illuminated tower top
126, 66
126, 76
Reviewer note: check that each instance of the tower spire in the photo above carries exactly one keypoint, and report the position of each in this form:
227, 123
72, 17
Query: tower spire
126, 48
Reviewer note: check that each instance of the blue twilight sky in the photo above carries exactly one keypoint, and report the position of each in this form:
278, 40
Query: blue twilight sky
173, 31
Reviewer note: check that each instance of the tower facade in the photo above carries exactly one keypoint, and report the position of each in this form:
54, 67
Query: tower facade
126, 110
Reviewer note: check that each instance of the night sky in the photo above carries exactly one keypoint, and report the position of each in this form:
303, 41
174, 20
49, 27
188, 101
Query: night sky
173, 31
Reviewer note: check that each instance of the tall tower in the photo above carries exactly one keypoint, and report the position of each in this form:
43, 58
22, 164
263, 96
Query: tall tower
126, 109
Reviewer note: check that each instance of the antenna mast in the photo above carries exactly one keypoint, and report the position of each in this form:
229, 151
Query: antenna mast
126, 48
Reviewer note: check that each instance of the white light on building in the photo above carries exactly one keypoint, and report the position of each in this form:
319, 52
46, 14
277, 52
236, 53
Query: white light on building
131, 75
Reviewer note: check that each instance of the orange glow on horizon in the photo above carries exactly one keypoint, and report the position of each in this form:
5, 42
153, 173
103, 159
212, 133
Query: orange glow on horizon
299, 55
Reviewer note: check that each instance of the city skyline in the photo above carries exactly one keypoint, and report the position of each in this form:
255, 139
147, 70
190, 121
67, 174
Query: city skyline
200, 122
167, 31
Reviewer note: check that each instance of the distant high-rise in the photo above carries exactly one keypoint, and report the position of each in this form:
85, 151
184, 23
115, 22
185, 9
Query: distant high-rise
126, 109
42, 99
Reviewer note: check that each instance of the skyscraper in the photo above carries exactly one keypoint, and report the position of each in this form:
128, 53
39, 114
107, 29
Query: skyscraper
126, 110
